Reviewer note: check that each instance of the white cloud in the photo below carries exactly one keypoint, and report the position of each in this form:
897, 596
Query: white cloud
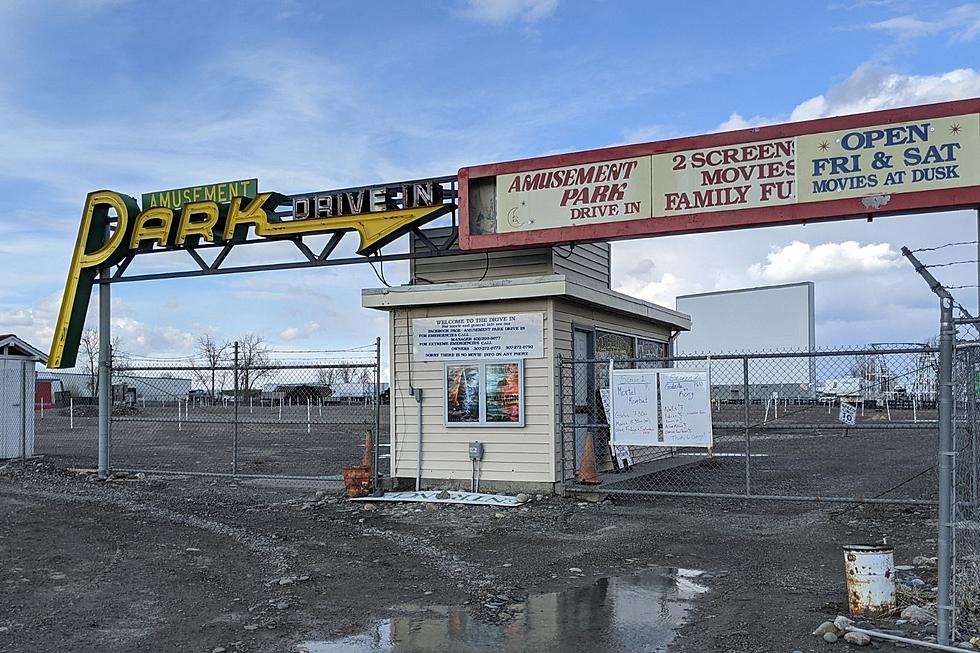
299, 333
660, 291
736, 121
872, 87
498, 12
800, 261
962, 23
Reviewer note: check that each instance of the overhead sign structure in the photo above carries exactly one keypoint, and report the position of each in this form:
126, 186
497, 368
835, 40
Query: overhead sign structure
113, 228
460, 337
223, 192
917, 158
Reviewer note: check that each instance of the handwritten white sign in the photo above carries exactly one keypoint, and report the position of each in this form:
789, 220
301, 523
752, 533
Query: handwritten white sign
634, 407
621, 452
685, 408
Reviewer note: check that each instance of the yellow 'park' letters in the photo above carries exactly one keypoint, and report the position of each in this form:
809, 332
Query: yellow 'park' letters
98, 246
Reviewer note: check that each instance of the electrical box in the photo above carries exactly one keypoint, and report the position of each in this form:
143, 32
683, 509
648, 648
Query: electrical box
476, 450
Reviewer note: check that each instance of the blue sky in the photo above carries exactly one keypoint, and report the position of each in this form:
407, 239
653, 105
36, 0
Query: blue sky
141, 96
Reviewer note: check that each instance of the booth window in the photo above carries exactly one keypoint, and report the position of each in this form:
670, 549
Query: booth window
484, 393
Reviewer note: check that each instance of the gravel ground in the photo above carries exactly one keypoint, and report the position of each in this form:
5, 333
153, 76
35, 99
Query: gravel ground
179, 563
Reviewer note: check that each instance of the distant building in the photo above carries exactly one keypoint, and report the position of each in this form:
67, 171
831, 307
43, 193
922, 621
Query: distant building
753, 320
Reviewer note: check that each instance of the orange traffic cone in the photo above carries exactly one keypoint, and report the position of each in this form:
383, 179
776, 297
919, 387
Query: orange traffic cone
367, 460
587, 473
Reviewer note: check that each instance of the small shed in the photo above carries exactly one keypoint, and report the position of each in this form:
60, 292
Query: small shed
18, 360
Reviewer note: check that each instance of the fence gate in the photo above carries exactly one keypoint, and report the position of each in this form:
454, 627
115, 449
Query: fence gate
966, 481
776, 429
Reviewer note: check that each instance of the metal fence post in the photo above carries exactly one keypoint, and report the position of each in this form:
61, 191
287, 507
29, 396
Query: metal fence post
23, 413
377, 415
745, 411
561, 424
946, 335
105, 378
234, 451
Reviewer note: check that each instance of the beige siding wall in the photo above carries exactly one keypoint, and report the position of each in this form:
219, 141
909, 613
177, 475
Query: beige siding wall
567, 315
587, 264
511, 454
506, 264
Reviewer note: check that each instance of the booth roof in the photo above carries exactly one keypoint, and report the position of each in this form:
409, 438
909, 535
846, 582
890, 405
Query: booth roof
553, 285
21, 349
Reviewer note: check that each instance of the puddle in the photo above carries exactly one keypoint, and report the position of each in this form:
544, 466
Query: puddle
640, 612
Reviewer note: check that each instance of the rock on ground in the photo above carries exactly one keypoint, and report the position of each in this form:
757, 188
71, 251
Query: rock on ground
858, 639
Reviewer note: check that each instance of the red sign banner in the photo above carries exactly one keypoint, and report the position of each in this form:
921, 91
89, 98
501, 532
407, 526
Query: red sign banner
896, 161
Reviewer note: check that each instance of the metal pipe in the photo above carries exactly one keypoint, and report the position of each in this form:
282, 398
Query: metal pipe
105, 382
23, 413
418, 455
767, 497
375, 482
745, 410
234, 452
904, 640
561, 426
947, 334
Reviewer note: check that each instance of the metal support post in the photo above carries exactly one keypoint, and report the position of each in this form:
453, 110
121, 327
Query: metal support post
947, 334
561, 424
105, 378
234, 449
23, 413
375, 481
745, 411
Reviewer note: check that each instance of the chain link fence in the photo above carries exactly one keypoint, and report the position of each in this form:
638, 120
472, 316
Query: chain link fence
777, 433
966, 478
258, 413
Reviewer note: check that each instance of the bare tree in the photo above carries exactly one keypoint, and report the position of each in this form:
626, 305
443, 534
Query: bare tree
254, 362
90, 353
118, 360
212, 354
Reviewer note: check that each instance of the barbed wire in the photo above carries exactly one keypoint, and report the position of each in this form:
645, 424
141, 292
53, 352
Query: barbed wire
946, 265
943, 246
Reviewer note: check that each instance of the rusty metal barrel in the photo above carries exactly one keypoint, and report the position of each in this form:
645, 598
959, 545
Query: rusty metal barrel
870, 571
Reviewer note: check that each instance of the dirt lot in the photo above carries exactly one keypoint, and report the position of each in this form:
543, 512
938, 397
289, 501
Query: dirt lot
179, 563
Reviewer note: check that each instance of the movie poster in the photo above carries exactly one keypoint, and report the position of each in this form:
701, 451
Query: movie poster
503, 390
462, 393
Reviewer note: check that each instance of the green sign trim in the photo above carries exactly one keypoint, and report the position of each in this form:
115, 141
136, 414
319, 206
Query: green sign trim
223, 192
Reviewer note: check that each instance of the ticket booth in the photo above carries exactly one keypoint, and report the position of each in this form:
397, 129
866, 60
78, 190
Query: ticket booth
474, 347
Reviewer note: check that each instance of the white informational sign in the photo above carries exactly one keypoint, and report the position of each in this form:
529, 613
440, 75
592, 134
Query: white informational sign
685, 406
848, 414
634, 416
620, 452
514, 335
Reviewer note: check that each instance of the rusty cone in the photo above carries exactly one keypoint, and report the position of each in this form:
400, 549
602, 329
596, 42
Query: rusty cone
367, 460
587, 472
